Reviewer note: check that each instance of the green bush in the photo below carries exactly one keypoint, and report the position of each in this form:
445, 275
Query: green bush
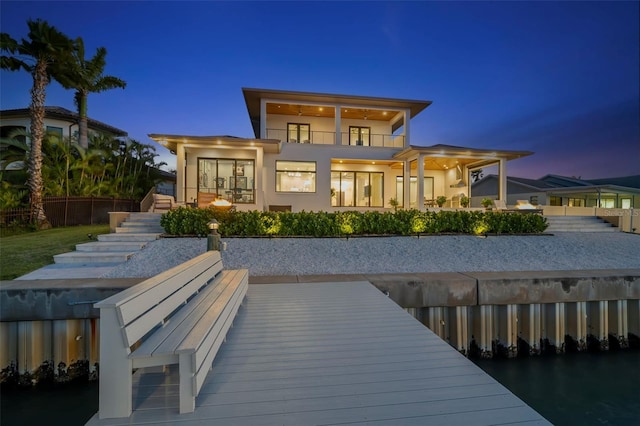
193, 221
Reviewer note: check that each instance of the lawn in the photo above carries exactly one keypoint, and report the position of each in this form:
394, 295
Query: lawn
20, 254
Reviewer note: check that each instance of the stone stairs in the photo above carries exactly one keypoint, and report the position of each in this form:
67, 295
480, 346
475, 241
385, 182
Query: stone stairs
131, 236
578, 224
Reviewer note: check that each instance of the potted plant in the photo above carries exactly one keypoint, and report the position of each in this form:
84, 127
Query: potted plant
393, 202
464, 201
441, 200
487, 203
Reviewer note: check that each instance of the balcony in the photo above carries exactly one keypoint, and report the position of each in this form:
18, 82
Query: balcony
329, 138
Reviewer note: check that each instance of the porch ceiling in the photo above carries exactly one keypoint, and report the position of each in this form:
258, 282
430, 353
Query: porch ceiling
329, 111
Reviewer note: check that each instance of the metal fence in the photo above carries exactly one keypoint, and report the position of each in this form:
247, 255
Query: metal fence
70, 211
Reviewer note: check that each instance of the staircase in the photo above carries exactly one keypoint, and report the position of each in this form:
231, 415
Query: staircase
131, 236
578, 224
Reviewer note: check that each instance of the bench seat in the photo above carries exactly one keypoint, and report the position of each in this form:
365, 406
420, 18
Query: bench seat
180, 316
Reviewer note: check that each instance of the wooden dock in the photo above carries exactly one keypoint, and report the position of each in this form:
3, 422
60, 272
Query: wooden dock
328, 354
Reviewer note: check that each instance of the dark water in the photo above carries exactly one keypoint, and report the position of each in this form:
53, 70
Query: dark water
63, 405
575, 389
571, 389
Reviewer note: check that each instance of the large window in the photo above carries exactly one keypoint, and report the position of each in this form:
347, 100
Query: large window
359, 189
229, 179
295, 176
299, 133
359, 135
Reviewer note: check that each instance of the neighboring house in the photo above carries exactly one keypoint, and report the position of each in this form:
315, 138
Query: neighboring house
57, 120
314, 151
167, 183
554, 190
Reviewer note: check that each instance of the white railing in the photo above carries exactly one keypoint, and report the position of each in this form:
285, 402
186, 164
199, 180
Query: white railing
329, 138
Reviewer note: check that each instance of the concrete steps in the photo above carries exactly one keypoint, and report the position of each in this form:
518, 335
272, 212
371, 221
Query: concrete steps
131, 236
578, 224
79, 257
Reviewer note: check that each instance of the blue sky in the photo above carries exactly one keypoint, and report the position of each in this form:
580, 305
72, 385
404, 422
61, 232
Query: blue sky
561, 79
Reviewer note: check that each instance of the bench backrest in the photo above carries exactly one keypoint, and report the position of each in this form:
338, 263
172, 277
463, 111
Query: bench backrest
142, 307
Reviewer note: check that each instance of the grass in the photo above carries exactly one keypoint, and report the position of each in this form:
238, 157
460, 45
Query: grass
23, 253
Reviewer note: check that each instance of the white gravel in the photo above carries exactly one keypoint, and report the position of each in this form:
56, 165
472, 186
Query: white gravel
308, 256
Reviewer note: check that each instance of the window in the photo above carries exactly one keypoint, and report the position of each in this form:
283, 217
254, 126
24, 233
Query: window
576, 202
55, 131
361, 189
229, 179
625, 203
608, 203
295, 176
359, 135
299, 133
413, 190
555, 201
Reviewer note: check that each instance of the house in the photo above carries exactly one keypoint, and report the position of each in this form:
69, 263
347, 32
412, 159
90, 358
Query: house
57, 120
316, 151
555, 190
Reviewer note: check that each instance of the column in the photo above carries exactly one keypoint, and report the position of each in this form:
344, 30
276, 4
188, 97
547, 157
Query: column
406, 182
420, 190
502, 177
181, 168
338, 138
263, 119
407, 119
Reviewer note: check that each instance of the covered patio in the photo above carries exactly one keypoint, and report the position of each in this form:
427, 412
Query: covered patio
445, 170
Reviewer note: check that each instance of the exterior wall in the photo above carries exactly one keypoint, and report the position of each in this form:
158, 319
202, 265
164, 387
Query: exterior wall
322, 155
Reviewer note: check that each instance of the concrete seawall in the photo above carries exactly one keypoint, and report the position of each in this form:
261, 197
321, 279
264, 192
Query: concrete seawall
54, 319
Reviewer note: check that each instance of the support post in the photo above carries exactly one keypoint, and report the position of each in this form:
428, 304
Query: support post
115, 391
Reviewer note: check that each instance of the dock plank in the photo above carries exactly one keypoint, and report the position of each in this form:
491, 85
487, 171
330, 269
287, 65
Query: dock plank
330, 353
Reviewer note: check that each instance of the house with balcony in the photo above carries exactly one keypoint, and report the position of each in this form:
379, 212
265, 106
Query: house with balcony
316, 151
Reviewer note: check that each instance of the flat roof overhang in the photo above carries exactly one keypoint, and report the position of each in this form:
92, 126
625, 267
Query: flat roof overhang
253, 96
171, 142
472, 157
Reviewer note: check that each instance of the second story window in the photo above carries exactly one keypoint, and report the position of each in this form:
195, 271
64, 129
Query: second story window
299, 132
359, 135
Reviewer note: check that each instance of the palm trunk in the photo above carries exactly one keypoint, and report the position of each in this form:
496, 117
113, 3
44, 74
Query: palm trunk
83, 138
35, 183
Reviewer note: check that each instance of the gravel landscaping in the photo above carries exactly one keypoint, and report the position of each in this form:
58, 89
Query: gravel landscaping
308, 256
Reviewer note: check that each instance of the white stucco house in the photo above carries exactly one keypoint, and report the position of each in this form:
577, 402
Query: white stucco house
57, 120
326, 152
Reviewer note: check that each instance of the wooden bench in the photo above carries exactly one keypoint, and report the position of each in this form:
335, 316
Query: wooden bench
180, 316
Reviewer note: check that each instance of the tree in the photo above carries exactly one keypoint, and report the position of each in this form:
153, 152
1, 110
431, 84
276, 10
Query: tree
476, 175
87, 77
42, 55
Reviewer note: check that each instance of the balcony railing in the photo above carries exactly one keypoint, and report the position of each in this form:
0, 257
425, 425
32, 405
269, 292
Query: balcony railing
329, 138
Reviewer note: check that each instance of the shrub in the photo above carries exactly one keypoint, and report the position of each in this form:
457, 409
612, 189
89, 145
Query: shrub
193, 221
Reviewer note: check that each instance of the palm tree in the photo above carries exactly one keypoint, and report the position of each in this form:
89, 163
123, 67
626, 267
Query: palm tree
87, 77
41, 55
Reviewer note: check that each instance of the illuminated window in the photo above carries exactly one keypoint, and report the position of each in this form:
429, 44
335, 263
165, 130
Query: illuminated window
229, 179
295, 176
361, 189
299, 133
359, 135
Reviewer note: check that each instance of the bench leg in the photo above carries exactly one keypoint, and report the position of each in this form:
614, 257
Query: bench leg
187, 391
115, 369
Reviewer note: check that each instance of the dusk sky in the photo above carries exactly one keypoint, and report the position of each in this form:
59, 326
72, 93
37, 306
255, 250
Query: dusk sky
561, 79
